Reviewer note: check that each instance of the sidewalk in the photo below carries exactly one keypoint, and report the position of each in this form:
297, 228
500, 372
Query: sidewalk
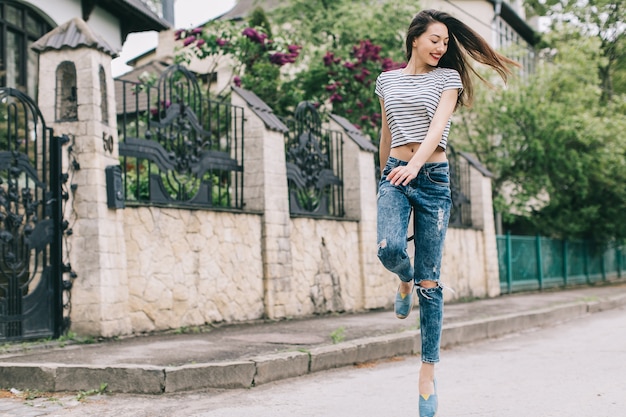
240, 356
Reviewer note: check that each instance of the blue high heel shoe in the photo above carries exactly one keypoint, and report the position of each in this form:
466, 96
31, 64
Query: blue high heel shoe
428, 404
403, 303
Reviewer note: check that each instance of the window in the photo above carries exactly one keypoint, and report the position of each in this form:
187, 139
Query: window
20, 27
104, 102
513, 45
66, 100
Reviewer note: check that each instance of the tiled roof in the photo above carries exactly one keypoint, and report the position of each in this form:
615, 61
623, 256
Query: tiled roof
261, 109
134, 16
244, 7
126, 94
142, 8
355, 134
71, 35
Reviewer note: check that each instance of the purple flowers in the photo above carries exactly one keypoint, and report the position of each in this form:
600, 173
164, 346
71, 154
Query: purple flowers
163, 105
335, 98
281, 59
294, 49
388, 64
189, 40
350, 79
254, 36
366, 51
330, 59
362, 77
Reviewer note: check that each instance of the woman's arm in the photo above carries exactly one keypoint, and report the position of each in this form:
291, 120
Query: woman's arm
404, 174
384, 147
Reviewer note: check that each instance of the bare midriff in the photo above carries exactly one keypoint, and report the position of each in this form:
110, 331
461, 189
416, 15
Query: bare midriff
406, 152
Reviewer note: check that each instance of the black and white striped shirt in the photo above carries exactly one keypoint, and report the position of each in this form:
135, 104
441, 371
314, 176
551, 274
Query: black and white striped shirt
411, 100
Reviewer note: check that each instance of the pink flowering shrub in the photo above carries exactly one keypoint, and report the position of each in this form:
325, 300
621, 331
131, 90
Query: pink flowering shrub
258, 58
351, 82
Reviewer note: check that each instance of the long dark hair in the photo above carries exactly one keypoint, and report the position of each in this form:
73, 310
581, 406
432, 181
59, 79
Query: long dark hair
463, 42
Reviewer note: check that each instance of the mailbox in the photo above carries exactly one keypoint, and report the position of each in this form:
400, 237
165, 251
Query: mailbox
115, 187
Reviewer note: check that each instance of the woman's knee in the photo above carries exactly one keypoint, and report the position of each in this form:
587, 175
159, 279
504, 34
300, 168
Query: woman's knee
391, 255
427, 283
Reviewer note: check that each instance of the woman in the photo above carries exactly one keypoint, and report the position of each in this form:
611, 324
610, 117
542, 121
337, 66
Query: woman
417, 103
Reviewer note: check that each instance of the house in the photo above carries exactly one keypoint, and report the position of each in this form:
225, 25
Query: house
502, 23
24, 22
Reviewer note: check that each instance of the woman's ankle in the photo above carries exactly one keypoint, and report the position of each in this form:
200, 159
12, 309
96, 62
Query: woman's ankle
427, 379
406, 287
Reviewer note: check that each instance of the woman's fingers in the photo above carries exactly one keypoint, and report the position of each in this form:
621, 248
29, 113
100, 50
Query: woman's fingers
402, 175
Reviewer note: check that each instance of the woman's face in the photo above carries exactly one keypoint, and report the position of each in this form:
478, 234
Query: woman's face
430, 46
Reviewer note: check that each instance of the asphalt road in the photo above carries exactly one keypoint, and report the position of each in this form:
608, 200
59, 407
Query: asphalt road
575, 369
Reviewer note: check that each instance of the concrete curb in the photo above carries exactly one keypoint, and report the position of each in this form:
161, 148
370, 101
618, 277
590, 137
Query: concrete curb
263, 369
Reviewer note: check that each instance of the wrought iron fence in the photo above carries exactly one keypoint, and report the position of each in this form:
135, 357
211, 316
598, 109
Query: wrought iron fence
178, 148
461, 212
536, 263
314, 165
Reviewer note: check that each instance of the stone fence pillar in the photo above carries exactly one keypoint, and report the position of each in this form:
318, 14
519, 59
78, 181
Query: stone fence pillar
266, 190
360, 190
76, 98
482, 217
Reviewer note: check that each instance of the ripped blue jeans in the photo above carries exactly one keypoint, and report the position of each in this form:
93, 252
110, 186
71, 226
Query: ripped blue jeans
429, 197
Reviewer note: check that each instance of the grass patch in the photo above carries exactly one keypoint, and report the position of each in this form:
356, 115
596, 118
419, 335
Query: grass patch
338, 335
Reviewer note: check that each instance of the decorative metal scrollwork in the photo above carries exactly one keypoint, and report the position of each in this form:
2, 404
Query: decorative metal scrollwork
187, 155
461, 212
313, 165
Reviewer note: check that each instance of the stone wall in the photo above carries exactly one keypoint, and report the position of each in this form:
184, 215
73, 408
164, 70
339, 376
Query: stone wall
191, 267
326, 266
470, 259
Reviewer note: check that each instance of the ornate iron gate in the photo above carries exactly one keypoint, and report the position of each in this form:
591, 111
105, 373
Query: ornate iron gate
31, 297
314, 165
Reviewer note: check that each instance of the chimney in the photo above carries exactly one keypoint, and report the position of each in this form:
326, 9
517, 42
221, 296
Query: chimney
168, 11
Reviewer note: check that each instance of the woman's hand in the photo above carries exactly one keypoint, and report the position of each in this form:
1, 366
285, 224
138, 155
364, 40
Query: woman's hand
403, 174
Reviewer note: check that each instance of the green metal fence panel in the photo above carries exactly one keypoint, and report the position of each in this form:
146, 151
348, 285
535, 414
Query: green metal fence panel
503, 257
536, 263
524, 262
553, 264
577, 263
610, 261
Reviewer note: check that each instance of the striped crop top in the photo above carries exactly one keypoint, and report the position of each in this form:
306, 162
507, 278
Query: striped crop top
411, 100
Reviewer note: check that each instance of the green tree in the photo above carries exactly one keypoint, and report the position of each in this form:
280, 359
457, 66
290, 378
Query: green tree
346, 44
557, 153
337, 25
601, 19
